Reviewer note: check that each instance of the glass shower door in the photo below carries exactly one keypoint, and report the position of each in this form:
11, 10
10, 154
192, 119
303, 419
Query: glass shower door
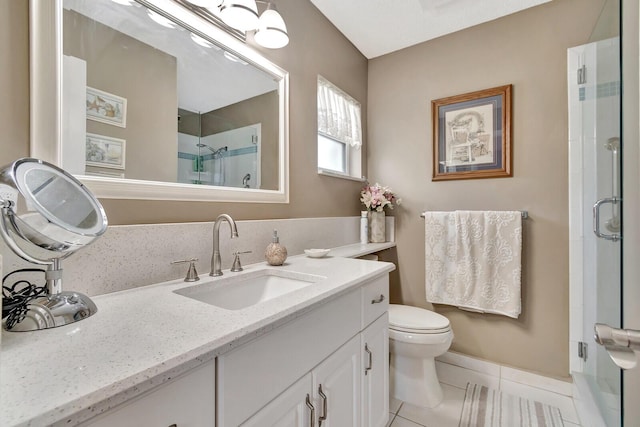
595, 194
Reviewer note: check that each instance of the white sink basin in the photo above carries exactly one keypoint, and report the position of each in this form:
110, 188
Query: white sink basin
249, 289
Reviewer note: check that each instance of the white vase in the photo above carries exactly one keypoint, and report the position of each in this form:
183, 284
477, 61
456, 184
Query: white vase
377, 227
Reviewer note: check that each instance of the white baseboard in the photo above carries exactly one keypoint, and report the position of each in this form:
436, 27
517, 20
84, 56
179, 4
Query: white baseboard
458, 369
501, 372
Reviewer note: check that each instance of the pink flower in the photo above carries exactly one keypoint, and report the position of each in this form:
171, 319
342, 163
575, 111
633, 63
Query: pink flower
377, 197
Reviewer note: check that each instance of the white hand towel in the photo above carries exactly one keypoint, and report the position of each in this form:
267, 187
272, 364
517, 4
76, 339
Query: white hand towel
473, 260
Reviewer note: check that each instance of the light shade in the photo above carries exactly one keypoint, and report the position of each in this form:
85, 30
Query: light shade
272, 31
240, 14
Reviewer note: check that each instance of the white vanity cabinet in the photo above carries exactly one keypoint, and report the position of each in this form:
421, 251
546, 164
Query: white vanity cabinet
375, 381
333, 387
375, 350
337, 387
187, 401
292, 408
328, 367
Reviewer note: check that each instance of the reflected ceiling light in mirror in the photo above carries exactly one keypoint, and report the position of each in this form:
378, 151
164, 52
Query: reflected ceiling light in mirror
161, 20
202, 42
231, 57
209, 4
240, 14
272, 31
124, 2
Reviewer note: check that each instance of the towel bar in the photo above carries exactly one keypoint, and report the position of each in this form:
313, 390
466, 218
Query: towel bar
525, 214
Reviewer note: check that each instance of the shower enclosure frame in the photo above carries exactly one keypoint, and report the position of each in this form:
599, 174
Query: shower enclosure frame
594, 91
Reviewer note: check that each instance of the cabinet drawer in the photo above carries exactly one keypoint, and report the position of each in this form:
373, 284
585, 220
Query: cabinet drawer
375, 299
187, 401
252, 375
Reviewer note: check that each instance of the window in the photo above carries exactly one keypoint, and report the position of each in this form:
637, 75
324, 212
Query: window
339, 132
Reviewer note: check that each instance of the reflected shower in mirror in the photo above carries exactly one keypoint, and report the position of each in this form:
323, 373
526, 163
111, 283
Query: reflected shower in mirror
213, 156
129, 71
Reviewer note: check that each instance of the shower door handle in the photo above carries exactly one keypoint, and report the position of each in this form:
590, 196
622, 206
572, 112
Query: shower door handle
613, 145
621, 344
596, 218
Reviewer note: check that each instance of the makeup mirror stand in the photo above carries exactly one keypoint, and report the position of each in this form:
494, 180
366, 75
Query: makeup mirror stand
49, 239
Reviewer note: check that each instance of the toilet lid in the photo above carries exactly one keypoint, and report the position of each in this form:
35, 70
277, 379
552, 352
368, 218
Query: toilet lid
415, 319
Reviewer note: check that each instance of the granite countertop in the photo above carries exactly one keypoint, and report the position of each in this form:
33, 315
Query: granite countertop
142, 337
360, 249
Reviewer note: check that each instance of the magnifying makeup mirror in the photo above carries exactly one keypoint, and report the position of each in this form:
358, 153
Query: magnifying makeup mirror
46, 215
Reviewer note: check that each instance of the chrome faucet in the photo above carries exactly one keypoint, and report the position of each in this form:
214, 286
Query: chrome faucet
216, 262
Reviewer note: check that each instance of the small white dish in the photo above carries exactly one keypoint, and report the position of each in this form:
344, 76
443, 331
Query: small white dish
316, 253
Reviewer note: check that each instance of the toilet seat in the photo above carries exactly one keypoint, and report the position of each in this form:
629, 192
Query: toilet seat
416, 320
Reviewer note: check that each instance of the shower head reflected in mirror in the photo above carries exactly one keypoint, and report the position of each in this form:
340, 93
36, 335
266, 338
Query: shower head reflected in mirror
213, 150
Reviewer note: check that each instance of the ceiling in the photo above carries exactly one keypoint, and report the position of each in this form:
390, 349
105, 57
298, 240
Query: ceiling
378, 27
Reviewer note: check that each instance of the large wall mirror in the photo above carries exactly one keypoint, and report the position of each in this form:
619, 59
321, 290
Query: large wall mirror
145, 100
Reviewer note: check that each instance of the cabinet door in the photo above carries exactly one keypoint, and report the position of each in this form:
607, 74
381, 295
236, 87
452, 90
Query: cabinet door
252, 375
375, 370
336, 384
187, 401
289, 409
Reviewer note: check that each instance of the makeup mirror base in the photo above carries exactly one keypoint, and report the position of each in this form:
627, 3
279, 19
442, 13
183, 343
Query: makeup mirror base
55, 310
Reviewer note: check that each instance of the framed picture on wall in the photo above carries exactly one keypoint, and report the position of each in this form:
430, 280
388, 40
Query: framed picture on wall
106, 107
472, 135
105, 151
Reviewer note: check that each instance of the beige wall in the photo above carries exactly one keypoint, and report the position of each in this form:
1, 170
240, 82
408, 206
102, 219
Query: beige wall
261, 109
123, 66
527, 50
14, 80
311, 195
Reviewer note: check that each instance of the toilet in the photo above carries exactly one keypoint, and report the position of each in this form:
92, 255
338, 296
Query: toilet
416, 337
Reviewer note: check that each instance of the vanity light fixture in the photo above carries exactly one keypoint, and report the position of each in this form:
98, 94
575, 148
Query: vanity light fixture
272, 31
242, 15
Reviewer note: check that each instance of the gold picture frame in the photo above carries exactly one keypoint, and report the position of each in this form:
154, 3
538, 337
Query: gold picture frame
472, 135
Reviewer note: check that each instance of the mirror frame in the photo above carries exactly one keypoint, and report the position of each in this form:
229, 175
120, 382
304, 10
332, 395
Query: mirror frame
46, 127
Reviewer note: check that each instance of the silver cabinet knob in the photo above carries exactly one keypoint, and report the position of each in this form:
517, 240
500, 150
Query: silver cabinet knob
378, 300
370, 357
323, 396
312, 412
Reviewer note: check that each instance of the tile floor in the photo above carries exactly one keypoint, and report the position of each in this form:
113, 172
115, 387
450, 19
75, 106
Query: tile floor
447, 414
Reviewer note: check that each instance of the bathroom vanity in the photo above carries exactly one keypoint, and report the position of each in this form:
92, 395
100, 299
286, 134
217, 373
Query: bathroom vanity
152, 356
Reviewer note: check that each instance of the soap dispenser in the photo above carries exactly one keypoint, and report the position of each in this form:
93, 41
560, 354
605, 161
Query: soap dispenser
275, 254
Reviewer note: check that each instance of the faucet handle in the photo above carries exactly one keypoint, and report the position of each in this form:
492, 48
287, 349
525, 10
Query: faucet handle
236, 261
192, 274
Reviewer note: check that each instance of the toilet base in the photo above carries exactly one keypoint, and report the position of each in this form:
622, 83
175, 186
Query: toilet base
415, 381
